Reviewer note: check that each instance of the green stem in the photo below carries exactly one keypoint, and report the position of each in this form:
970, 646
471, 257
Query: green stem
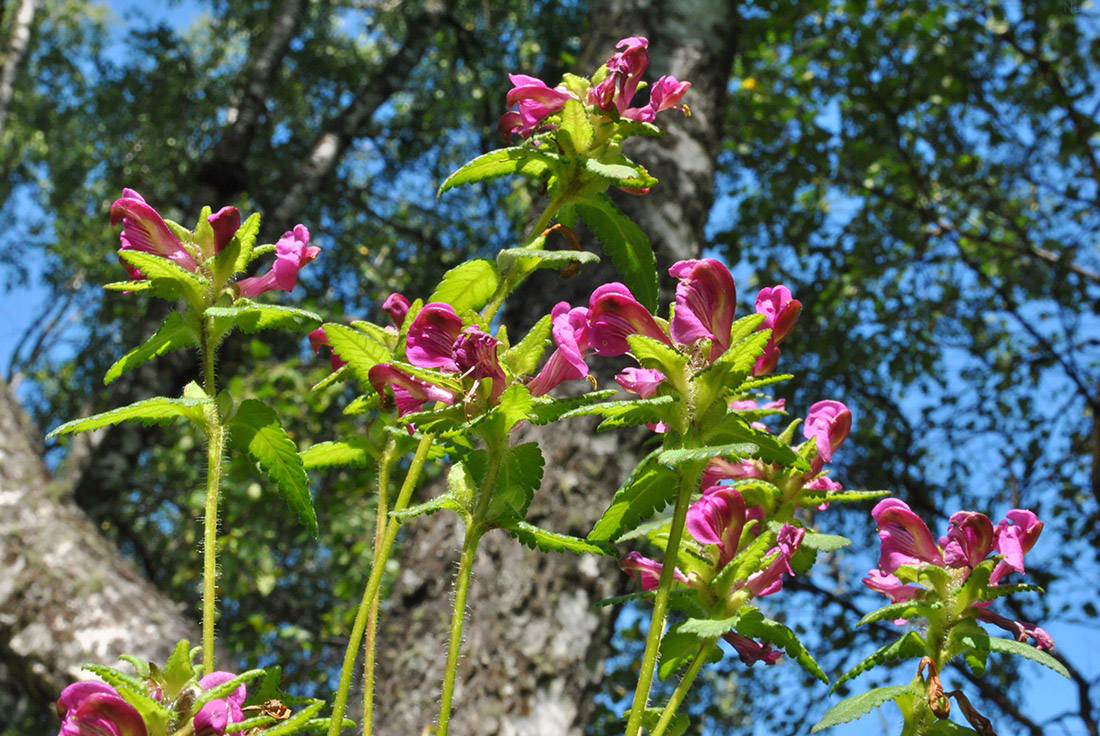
683, 688
215, 438
688, 481
462, 586
340, 702
384, 466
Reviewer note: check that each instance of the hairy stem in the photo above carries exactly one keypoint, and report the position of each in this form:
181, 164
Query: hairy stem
385, 464
215, 449
684, 686
688, 481
340, 702
462, 586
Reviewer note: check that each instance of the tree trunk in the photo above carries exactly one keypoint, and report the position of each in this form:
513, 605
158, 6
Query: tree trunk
534, 642
67, 597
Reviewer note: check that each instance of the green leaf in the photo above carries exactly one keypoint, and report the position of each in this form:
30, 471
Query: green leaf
173, 279
729, 372
178, 670
754, 624
627, 245
141, 666
134, 692
649, 489
256, 429
292, 725
677, 725
548, 541
519, 476
708, 628
128, 286
656, 354
824, 542
225, 688
251, 317
358, 452
445, 501
904, 609
468, 286
575, 132
360, 352
246, 239
637, 412
999, 591
908, 646
523, 357
116, 679
547, 409
530, 259
678, 649
157, 410
746, 562
860, 705
502, 162
619, 174
734, 430
174, 334
1023, 649
816, 498
381, 335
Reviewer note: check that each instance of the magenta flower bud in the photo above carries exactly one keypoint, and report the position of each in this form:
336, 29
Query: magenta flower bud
602, 95
719, 469
767, 361
751, 651
969, 539
570, 331
646, 571
318, 339
770, 579
397, 307
780, 310
718, 517
1014, 541
225, 222
705, 301
97, 709
212, 718
432, 337
475, 354
535, 100
905, 537
889, 584
1020, 630
292, 253
666, 92
613, 314
822, 483
828, 423
628, 66
752, 405
641, 381
409, 392
143, 229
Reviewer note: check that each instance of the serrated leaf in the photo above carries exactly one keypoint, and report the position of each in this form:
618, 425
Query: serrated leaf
385, 337
251, 317
746, 562
626, 244
224, 689
141, 666
501, 162
619, 174
128, 286
575, 132
178, 670
902, 609
532, 259
653, 353
999, 591
707, 628
545, 540
677, 725
445, 501
824, 542
678, 649
116, 679
174, 334
519, 477
468, 286
362, 404
523, 357
336, 376
729, 372
754, 624
256, 429
290, 726
157, 410
860, 705
246, 239
356, 452
155, 715
649, 489
816, 498
360, 352
908, 646
1023, 649
734, 430
637, 412
156, 268
547, 409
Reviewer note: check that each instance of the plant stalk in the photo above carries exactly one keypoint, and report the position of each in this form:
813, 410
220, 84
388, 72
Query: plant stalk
385, 464
458, 618
215, 449
374, 582
683, 687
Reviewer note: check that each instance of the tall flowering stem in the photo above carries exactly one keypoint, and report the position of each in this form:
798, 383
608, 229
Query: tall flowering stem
683, 687
374, 582
689, 480
385, 465
215, 451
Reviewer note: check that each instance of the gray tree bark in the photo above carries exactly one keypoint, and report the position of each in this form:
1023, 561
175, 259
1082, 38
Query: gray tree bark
67, 597
534, 643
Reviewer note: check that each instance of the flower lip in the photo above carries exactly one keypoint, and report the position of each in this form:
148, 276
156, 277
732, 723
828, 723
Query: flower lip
613, 314
706, 298
144, 230
905, 537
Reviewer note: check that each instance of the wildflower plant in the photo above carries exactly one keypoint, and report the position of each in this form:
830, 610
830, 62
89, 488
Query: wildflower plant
444, 382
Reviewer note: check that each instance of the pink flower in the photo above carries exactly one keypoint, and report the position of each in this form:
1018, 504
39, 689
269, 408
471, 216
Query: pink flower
292, 252
213, 717
969, 539
535, 100
827, 423
317, 339
225, 223
409, 392
613, 314
641, 381
627, 67
780, 310
143, 229
1014, 540
822, 483
767, 361
751, 651
570, 331
719, 469
96, 709
752, 405
666, 92
646, 571
718, 517
432, 337
705, 300
905, 537
770, 579
890, 585
397, 307
475, 354
1020, 630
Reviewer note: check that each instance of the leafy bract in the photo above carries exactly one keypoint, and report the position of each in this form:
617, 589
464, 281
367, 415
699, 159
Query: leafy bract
1023, 649
502, 162
523, 357
157, 410
860, 705
357, 452
256, 429
248, 316
468, 286
545, 540
547, 409
678, 649
174, 334
910, 645
359, 351
753, 623
650, 488
902, 609
169, 279
626, 244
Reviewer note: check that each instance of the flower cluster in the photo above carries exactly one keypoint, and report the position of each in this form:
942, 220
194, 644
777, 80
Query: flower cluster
971, 538
144, 230
609, 93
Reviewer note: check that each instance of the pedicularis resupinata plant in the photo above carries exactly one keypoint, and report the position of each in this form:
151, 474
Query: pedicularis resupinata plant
445, 383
